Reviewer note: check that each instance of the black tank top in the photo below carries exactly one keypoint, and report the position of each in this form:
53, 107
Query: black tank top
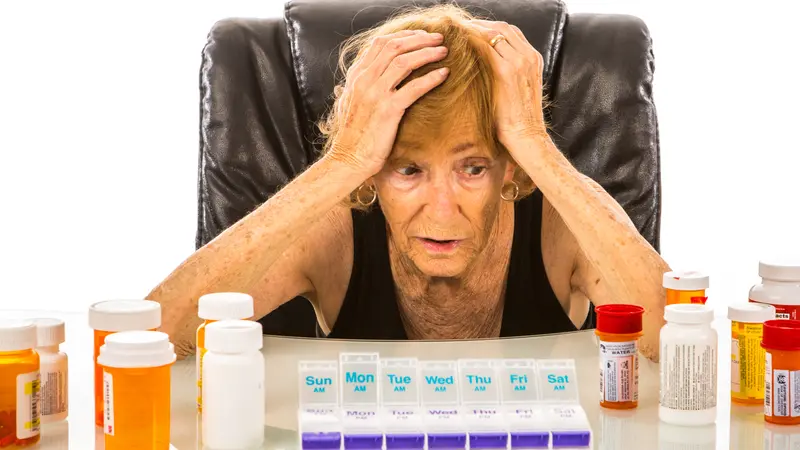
370, 310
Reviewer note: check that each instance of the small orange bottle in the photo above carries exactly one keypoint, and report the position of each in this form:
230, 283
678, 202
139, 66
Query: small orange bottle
211, 308
19, 384
686, 287
619, 328
136, 390
112, 316
782, 371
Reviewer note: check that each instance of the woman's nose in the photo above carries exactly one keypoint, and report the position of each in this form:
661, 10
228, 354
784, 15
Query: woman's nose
442, 200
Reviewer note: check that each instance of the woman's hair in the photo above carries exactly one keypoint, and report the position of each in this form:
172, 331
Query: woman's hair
466, 94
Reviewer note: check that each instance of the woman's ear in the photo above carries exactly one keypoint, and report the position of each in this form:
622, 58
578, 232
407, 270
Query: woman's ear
511, 169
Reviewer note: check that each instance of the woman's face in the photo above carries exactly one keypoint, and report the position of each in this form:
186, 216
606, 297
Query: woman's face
441, 198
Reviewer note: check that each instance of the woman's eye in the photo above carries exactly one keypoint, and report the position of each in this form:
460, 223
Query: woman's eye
474, 170
407, 171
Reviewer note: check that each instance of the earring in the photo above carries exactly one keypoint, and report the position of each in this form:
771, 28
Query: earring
514, 189
371, 200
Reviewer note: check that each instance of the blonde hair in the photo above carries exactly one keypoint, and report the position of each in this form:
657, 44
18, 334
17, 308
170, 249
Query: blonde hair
466, 94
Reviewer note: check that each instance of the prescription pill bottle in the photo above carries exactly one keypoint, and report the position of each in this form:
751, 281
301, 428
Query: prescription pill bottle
19, 384
686, 287
136, 390
233, 381
211, 308
53, 369
111, 316
619, 328
747, 355
688, 366
780, 287
782, 371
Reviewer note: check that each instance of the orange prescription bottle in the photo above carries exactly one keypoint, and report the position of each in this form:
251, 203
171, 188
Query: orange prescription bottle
136, 390
19, 384
686, 287
619, 328
112, 316
211, 308
747, 355
782, 371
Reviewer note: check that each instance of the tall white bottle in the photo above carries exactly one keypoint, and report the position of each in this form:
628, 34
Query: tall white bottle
53, 368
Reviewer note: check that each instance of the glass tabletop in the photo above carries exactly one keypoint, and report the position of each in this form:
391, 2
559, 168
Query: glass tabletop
736, 427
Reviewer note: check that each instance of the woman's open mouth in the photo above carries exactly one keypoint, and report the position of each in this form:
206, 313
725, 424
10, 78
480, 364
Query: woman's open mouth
439, 246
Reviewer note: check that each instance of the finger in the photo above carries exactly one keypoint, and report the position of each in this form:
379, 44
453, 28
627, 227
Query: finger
396, 47
403, 65
365, 58
512, 38
416, 88
502, 47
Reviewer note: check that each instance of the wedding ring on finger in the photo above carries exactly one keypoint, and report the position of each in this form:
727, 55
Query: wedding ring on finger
497, 39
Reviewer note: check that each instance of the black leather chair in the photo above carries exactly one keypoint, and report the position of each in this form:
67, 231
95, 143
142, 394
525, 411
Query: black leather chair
265, 82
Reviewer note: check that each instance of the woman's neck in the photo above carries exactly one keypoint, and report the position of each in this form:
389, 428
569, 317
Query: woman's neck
470, 306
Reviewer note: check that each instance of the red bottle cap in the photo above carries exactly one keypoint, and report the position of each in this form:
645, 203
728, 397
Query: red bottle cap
619, 319
781, 335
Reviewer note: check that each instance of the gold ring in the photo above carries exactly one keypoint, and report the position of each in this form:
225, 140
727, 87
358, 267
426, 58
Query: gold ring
497, 39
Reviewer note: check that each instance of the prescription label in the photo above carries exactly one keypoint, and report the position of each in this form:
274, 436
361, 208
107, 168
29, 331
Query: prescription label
28, 391
619, 371
784, 387
785, 312
688, 376
747, 361
108, 403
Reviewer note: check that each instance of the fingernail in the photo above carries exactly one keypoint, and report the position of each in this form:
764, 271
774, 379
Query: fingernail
437, 35
443, 71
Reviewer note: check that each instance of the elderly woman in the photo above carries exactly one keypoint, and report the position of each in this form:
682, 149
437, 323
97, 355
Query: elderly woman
439, 209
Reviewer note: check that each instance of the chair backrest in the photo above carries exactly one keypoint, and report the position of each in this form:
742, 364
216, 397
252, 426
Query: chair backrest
265, 82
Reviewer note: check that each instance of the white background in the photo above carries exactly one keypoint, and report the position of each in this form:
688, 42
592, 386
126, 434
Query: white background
99, 140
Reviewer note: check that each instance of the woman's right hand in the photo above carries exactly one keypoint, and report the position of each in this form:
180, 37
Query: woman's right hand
371, 107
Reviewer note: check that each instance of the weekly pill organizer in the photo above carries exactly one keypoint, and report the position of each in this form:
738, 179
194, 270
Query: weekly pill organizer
363, 401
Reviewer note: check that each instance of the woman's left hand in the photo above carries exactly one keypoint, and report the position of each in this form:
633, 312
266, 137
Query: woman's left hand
518, 69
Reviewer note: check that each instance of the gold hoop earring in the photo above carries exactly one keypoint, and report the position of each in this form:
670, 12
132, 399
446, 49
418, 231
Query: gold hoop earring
515, 190
369, 202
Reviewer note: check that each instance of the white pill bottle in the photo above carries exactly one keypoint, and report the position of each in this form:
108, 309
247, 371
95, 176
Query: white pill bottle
688, 366
780, 287
233, 386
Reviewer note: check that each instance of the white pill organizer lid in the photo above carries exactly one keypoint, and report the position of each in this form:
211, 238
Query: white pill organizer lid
780, 269
234, 336
478, 381
751, 312
125, 315
319, 419
136, 349
402, 419
359, 378
688, 313
439, 382
518, 381
399, 381
686, 280
484, 418
557, 380
318, 383
16, 335
49, 331
361, 420
225, 305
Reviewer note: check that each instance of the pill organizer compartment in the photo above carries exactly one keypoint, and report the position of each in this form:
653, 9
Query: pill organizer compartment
528, 426
319, 417
480, 400
401, 415
444, 426
361, 421
569, 426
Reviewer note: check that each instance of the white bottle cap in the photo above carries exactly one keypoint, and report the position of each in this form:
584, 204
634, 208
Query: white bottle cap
136, 349
225, 305
125, 315
751, 312
689, 313
16, 335
234, 336
49, 332
779, 269
686, 281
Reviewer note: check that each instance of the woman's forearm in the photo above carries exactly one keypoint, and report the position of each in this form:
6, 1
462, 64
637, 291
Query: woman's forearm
240, 255
629, 267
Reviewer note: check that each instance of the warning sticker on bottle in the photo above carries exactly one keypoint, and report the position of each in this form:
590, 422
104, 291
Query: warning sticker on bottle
28, 387
108, 403
619, 374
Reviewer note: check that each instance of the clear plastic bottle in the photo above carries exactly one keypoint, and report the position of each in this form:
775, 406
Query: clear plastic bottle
136, 390
233, 380
211, 308
112, 316
53, 368
780, 287
688, 366
19, 384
